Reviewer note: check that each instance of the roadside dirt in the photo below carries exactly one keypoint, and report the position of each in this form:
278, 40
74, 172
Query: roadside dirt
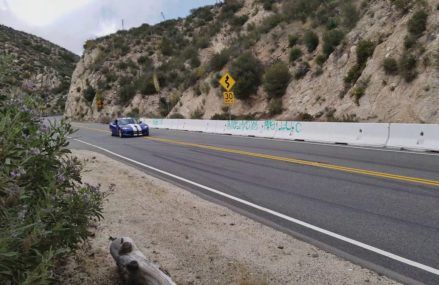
196, 241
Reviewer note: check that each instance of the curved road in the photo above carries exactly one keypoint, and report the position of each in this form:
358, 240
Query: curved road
376, 207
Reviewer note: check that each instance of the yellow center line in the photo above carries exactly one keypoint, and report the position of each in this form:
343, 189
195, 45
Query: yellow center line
391, 176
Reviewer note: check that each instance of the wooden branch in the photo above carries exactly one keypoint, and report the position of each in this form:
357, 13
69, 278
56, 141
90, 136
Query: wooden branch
133, 266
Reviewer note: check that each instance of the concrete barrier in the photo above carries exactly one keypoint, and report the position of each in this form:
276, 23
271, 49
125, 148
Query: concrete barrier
216, 127
414, 137
363, 134
195, 125
407, 136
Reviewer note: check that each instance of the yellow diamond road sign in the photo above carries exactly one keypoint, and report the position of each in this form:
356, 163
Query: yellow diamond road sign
227, 81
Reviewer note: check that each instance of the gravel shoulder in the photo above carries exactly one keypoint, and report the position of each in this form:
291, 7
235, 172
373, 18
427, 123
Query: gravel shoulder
196, 241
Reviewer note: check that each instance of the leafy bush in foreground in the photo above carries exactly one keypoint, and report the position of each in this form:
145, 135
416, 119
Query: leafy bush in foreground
45, 209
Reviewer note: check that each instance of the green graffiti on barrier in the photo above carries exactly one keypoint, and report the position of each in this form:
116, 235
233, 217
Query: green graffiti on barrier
242, 125
157, 122
283, 126
271, 125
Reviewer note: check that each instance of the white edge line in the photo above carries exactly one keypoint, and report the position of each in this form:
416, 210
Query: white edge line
279, 215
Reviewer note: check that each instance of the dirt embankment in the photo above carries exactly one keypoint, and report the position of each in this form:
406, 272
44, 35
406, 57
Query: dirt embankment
196, 241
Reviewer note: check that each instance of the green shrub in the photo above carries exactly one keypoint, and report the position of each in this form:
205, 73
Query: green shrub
238, 21
350, 14
145, 86
305, 117
124, 80
418, 23
103, 84
197, 114
295, 54
126, 93
90, 44
89, 93
353, 74
409, 41
300, 9
364, 50
195, 61
214, 82
311, 40
46, 210
134, 113
331, 40
247, 70
407, 67
269, 23
267, 4
202, 42
359, 91
302, 70
164, 107
293, 40
166, 47
144, 61
275, 106
390, 66
321, 59
276, 79
176, 116
331, 24
219, 60
402, 5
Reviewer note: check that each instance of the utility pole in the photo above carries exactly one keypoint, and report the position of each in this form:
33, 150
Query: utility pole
163, 16
123, 25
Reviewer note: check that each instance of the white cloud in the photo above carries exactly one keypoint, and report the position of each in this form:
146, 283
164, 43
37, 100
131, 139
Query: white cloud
69, 23
43, 12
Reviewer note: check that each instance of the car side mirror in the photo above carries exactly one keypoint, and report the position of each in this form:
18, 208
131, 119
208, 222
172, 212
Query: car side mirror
140, 122
115, 122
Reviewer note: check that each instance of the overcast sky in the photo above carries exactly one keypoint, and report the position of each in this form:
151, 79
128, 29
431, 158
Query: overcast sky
69, 23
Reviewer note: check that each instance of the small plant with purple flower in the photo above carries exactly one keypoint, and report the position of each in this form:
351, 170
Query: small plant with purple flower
45, 209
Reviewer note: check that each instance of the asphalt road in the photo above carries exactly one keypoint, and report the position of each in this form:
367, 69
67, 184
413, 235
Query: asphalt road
386, 200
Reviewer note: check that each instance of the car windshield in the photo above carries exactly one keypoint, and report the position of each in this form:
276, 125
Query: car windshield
127, 121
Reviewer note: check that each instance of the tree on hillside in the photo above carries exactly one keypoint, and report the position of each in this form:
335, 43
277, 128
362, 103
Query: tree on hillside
247, 71
276, 79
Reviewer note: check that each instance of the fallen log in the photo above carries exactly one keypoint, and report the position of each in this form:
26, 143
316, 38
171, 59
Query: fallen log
133, 266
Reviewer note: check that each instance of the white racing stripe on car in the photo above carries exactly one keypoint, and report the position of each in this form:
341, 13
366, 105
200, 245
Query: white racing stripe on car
136, 127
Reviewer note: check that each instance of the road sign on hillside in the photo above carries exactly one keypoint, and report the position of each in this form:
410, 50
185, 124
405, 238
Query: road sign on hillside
229, 98
227, 82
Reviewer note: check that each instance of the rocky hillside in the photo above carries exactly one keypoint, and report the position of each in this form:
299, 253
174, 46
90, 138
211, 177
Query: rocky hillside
33, 65
338, 60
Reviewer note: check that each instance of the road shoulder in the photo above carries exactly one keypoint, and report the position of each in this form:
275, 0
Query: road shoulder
196, 241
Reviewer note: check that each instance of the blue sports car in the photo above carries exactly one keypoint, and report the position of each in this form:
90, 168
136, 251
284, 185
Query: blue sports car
128, 127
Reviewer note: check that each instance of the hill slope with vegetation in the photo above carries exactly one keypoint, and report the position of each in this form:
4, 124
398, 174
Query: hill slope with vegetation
338, 60
32, 65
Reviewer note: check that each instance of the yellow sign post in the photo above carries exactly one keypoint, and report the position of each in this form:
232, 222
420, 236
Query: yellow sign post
229, 98
227, 82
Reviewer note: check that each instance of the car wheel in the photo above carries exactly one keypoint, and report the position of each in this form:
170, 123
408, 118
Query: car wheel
120, 133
